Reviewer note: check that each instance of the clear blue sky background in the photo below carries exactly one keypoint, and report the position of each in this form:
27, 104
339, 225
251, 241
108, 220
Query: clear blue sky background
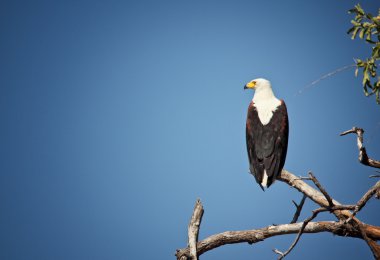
117, 115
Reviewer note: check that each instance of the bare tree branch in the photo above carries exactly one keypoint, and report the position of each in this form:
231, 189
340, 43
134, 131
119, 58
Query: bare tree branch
375, 248
366, 197
306, 221
304, 224
354, 228
363, 157
324, 192
319, 198
193, 229
257, 235
298, 209
311, 193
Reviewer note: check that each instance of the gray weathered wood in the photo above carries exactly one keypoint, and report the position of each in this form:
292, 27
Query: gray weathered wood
193, 229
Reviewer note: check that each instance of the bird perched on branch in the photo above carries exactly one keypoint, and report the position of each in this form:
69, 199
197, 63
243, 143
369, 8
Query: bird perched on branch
267, 132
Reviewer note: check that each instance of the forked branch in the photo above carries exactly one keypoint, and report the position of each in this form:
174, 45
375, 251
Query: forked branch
363, 157
346, 225
342, 227
257, 235
298, 209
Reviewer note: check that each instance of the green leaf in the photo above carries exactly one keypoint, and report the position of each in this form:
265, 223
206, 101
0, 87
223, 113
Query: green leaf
355, 23
365, 25
354, 33
365, 91
353, 10
361, 34
359, 9
365, 76
359, 63
351, 30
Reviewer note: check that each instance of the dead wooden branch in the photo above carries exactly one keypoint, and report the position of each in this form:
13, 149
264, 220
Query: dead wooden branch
306, 221
257, 235
311, 193
304, 224
324, 192
375, 248
366, 197
353, 228
363, 157
298, 209
319, 198
193, 229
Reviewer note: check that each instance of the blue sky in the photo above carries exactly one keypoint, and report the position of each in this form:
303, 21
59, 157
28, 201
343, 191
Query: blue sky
117, 115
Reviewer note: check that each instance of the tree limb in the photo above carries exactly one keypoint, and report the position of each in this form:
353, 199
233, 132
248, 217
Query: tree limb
354, 228
301, 231
257, 235
366, 197
319, 198
375, 248
298, 209
363, 157
193, 229
311, 193
324, 192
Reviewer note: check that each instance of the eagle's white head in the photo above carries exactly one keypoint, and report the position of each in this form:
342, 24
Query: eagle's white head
263, 99
263, 89
258, 84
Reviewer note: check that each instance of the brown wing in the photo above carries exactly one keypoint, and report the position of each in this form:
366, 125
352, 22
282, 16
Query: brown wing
267, 144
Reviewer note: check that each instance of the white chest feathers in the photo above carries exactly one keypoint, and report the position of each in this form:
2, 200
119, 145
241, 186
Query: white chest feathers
266, 108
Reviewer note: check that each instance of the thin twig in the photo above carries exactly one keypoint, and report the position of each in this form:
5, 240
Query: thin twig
298, 209
311, 193
366, 197
324, 192
304, 224
363, 157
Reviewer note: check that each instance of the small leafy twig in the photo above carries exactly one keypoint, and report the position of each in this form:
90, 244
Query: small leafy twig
366, 25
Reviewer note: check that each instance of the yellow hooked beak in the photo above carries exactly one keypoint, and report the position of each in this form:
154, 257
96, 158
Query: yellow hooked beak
250, 85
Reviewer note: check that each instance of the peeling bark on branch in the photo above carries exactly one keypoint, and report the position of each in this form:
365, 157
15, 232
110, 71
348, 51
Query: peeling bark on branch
193, 230
254, 236
324, 192
363, 157
310, 192
347, 225
319, 198
366, 197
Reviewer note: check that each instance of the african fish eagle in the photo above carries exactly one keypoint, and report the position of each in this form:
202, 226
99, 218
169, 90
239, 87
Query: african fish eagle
267, 132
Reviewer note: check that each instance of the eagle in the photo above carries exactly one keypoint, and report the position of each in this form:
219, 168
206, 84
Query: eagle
267, 132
